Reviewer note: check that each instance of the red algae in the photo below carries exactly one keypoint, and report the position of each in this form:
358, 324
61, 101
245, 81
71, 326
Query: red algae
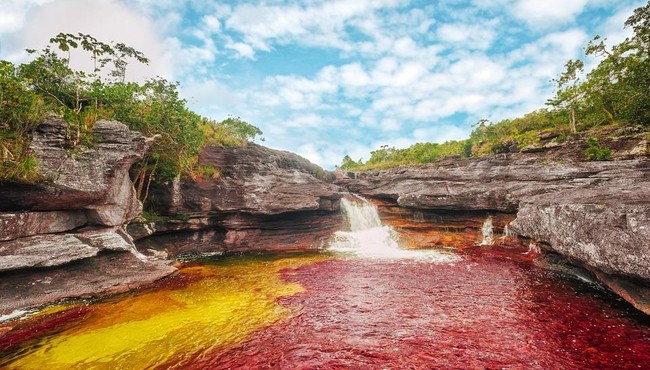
487, 311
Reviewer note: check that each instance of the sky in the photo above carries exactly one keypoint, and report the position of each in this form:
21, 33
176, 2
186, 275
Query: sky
329, 78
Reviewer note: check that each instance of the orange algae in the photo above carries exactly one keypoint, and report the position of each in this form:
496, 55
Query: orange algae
223, 304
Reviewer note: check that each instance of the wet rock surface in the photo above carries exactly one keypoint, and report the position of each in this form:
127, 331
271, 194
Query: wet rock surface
240, 232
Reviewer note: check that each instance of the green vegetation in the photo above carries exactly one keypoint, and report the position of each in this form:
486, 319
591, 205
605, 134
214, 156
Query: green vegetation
48, 83
419, 153
595, 152
614, 94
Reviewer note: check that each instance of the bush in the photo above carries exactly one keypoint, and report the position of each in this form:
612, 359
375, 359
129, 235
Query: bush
595, 152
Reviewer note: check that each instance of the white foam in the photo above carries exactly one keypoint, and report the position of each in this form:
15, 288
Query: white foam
14, 315
368, 238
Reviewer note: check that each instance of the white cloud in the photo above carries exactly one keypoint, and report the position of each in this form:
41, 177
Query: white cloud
390, 74
211, 24
106, 20
243, 50
466, 35
12, 14
314, 24
541, 13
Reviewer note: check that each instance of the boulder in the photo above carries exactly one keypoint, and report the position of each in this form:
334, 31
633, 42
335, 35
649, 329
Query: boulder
604, 227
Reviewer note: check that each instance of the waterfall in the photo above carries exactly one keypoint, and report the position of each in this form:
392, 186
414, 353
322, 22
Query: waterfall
488, 232
507, 234
368, 237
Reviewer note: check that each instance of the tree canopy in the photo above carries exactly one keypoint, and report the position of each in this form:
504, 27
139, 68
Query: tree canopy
48, 83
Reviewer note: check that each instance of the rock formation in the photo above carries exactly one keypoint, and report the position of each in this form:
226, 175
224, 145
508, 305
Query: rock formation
263, 199
75, 215
595, 214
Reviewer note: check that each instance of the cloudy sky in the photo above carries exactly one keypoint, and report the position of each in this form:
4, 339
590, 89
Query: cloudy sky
329, 78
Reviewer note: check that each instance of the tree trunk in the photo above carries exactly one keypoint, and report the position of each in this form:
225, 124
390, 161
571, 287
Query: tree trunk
140, 179
573, 121
151, 174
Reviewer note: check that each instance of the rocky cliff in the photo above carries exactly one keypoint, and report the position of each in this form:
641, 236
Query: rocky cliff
595, 214
54, 233
263, 199
66, 235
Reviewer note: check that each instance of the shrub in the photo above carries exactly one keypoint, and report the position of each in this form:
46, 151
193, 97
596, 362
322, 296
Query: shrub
595, 152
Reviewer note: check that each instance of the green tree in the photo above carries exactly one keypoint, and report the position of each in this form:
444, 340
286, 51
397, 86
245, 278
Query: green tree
569, 91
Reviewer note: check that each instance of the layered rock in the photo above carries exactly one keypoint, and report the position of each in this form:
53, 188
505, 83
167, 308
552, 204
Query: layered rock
596, 214
425, 228
76, 214
106, 273
263, 199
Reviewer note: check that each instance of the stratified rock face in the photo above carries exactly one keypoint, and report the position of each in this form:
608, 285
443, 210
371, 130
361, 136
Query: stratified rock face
264, 199
91, 179
605, 227
497, 183
75, 216
243, 232
596, 214
423, 228
107, 273
256, 180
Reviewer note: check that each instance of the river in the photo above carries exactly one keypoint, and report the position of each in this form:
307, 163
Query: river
364, 303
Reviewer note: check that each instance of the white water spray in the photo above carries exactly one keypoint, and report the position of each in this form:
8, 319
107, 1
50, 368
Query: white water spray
488, 232
533, 248
367, 236
508, 234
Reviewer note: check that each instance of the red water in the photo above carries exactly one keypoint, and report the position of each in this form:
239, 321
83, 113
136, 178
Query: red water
485, 312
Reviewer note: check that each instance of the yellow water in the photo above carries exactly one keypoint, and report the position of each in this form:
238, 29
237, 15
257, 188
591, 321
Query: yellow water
222, 304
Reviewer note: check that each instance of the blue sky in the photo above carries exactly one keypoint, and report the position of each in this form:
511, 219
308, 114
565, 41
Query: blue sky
329, 78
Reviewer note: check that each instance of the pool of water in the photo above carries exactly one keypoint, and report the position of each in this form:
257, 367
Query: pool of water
481, 310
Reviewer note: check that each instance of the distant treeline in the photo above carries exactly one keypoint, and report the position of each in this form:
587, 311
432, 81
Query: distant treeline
615, 93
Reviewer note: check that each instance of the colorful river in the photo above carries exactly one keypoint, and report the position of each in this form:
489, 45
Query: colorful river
484, 308
319, 311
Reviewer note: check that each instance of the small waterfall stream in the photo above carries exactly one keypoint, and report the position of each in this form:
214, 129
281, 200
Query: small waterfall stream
368, 237
488, 232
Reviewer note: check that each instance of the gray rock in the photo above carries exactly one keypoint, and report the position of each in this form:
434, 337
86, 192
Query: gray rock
59, 249
108, 273
43, 251
253, 179
15, 225
607, 228
78, 177
264, 199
